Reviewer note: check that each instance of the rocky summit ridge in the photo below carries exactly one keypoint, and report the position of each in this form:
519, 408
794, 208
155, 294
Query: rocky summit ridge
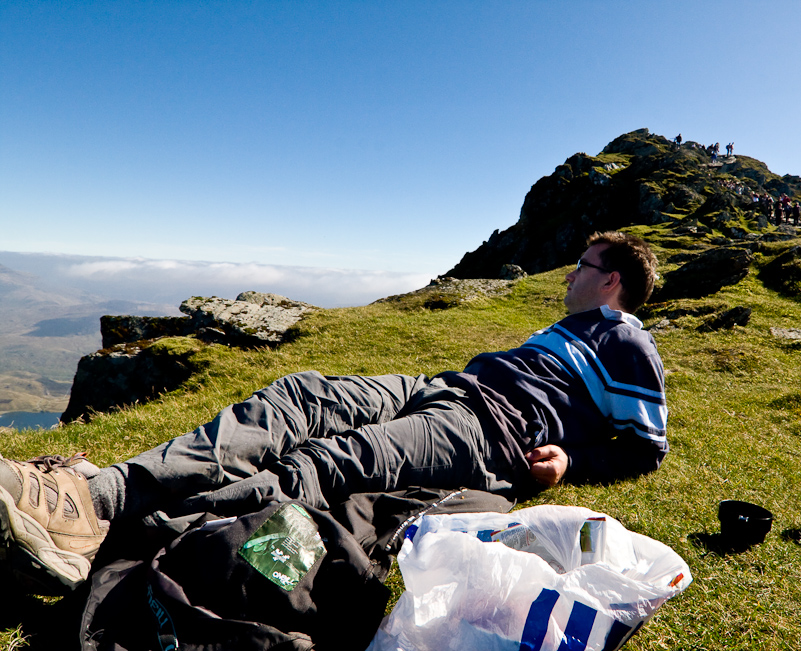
717, 214
638, 178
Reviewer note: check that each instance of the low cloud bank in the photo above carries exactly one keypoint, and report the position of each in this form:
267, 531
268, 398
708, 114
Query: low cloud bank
172, 281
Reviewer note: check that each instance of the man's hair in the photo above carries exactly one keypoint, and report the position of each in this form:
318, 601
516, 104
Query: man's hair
633, 259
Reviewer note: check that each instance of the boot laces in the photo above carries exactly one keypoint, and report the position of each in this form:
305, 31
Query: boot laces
50, 462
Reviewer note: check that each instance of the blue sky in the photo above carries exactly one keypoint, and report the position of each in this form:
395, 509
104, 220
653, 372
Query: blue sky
386, 137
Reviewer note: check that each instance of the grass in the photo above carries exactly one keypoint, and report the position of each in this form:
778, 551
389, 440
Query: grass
734, 429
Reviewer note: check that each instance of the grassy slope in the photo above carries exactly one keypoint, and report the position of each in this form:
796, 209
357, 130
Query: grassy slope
734, 428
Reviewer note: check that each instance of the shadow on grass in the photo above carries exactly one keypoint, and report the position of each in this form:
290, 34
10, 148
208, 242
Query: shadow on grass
791, 535
716, 543
46, 624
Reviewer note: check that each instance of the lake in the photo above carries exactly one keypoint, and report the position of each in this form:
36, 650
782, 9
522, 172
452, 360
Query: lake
29, 419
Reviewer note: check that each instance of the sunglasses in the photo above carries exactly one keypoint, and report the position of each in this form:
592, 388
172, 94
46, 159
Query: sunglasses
583, 263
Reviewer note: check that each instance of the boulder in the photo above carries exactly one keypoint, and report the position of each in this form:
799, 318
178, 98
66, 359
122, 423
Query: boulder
512, 272
783, 273
786, 333
727, 320
706, 274
253, 319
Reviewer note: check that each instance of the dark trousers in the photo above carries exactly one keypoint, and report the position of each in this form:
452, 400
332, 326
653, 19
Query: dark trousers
320, 439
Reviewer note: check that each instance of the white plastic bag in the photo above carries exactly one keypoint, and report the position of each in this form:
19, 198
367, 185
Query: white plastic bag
546, 578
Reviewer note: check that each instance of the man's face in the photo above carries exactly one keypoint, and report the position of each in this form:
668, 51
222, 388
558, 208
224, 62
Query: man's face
584, 285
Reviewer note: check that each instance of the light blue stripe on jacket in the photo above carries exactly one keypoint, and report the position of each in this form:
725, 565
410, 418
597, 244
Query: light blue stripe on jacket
617, 394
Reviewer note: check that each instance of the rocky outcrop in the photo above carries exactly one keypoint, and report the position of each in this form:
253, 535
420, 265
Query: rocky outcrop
138, 362
638, 178
445, 292
737, 316
783, 273
706, 274
124, 375
253, 319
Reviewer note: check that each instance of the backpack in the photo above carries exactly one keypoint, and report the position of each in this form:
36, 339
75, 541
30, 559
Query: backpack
287, 577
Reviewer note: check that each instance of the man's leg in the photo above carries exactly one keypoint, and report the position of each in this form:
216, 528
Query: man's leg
436, 441
246, 438
49, 507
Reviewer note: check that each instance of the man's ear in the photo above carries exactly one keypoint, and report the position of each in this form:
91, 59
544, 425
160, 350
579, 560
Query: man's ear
612, 284
612, 290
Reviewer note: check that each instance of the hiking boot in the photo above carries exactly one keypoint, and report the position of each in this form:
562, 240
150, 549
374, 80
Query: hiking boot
48, 524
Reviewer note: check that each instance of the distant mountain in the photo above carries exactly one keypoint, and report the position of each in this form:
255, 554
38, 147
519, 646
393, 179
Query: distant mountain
46, 328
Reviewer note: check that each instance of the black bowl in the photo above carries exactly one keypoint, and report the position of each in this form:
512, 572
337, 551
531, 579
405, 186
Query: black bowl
743, 523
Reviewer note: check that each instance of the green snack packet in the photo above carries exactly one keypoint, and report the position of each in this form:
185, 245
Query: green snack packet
285, 547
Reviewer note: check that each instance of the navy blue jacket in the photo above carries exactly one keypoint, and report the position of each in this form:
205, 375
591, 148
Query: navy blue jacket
593, 384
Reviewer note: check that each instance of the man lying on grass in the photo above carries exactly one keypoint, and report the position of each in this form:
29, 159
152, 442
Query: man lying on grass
580, 401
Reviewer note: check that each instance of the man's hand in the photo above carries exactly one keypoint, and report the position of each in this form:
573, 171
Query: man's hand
548, 464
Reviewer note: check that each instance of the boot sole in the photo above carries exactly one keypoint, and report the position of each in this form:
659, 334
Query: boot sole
33, 557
